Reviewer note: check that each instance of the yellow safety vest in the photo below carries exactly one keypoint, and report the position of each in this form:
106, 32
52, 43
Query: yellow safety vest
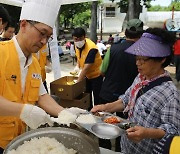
10, 88
42, 60
175, 145
94, 70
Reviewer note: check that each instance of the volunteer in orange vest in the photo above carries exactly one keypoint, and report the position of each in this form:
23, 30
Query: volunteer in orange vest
41, 56
89, 61
4, 18
168, 145
8, 32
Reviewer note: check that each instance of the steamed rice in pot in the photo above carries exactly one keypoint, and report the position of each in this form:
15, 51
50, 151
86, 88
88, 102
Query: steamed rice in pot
42, 145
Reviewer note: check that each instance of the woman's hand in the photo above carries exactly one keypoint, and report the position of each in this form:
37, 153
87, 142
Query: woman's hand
97, 108
116, 106
136, 133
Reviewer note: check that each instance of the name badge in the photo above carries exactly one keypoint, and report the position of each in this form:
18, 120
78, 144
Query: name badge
36, 76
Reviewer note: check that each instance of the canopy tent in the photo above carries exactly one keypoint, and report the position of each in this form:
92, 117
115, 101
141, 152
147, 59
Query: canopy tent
12, 2
61, 2
75, 1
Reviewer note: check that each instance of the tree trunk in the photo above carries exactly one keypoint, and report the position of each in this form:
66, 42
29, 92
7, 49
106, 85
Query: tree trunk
64, 22
93, 26
138, 8
72, 24
131, 10
125, 22
134, 9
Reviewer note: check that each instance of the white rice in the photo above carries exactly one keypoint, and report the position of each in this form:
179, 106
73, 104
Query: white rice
65, 117
86, 119
43, 145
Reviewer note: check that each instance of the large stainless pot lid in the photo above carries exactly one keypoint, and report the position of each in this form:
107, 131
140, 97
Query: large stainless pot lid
68, 137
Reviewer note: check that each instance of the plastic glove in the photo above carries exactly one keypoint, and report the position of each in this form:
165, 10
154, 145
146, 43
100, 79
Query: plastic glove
75, 71
34, 116
76, 110
48, 69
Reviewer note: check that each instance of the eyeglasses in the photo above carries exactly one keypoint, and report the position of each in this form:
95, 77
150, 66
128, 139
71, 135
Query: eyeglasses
42, 35
142, 60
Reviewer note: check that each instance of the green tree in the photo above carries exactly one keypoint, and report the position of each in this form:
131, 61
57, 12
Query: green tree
82, 19
93, 26
175, 4
69, 12
133, 8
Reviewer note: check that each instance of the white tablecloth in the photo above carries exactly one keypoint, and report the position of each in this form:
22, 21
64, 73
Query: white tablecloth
107, 151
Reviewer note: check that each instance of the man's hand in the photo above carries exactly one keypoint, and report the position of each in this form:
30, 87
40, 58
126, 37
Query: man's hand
34, 116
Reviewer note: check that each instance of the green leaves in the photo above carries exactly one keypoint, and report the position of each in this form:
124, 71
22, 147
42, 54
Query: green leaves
176, 5
75, 14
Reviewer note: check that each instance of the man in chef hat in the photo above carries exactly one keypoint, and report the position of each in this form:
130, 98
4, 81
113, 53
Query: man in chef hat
20, 80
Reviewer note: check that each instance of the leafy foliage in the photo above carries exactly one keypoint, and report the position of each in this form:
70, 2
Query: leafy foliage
82, 19
168, 8
123, 4
74, 14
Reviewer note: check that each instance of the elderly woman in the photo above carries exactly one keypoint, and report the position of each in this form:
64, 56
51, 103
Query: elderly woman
152, 101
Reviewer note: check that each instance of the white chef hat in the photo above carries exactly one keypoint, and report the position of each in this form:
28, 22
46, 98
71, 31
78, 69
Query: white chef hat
44, 11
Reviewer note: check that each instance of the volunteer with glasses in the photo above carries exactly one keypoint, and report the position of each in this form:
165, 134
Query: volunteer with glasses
152, 101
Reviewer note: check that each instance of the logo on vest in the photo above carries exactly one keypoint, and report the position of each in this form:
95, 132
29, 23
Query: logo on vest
36, 76
13, 77
45, 50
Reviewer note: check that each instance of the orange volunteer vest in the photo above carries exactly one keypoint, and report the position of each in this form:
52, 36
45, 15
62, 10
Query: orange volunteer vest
174, 147
10, 88
94, 70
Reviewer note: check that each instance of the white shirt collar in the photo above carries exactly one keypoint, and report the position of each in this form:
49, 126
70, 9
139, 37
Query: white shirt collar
21, 55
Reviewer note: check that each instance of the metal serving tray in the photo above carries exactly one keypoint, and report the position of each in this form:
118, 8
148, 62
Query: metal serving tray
105, 130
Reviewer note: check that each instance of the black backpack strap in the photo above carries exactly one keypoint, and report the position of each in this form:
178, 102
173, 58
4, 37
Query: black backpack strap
152, 84
49, 50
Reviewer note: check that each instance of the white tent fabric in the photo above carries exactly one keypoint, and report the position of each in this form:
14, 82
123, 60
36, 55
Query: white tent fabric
75, 1
12, 2
62, 2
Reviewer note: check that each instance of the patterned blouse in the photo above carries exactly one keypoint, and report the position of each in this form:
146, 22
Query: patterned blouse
159, 107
